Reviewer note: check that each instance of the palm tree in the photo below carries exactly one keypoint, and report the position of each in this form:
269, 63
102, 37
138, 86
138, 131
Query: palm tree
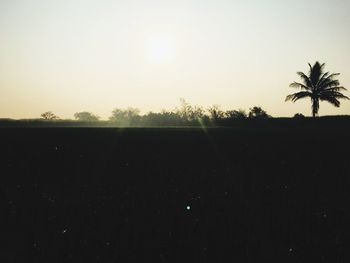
318, 85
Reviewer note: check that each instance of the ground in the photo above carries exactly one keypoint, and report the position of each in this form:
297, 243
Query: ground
254, 194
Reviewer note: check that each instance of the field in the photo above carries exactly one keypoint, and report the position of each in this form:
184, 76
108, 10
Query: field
260, 193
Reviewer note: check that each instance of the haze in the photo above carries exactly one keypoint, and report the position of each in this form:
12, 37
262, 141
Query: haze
95, 55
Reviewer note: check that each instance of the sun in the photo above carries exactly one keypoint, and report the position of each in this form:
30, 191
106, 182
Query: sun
160, 49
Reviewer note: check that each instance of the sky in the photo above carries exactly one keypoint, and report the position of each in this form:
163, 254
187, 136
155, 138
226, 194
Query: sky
68, 56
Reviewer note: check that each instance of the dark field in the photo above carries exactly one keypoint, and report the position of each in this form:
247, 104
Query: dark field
255, 194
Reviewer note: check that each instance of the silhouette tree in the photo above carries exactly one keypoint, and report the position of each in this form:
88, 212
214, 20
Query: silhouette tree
236, 114
185, 110
129, 116
299, 116
190, 114
86, 116
318, 85
258, 113
215, 113
49, 116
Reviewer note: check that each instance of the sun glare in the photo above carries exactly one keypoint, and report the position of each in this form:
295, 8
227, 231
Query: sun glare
160, 49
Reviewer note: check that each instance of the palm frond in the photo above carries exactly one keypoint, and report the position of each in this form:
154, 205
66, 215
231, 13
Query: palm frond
332, 97
299, 85
335, 89
325, 75
305, 79
327, 79
328, 84
299, 95
332, 100
316, 72
310, 67
331, 76
334, 94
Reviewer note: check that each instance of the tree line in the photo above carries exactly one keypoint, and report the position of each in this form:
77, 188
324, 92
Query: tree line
185, 115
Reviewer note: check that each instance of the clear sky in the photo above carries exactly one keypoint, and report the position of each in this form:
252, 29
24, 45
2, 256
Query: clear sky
95, 55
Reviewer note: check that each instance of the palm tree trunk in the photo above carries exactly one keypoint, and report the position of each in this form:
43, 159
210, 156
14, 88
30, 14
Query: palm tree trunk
315, 107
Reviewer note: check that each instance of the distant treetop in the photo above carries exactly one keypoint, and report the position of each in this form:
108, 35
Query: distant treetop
86, 116
258, 113
49, 116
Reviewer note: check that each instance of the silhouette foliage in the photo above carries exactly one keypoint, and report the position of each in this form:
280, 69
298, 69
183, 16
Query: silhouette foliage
191, 114
236, 114
258, 113
49, 115
128, 117
184, 115
215, 114
318, 86
86, 116
299, 116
